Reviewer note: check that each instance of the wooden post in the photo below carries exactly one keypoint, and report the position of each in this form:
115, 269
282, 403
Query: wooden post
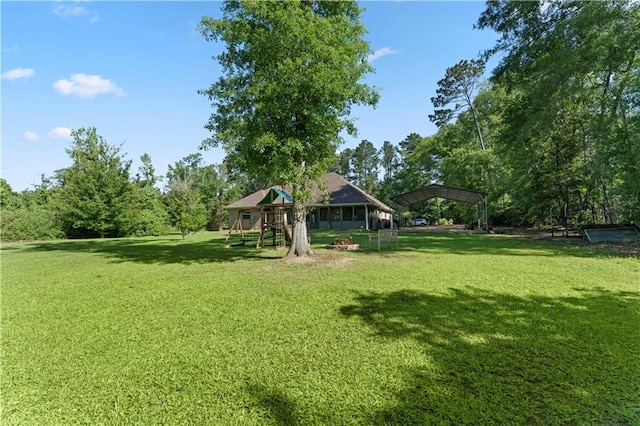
237, 225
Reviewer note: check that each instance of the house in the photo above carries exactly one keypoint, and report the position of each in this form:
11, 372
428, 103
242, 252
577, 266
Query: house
347, 207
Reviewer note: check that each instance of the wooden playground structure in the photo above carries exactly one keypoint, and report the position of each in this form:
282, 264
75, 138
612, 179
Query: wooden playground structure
274, 229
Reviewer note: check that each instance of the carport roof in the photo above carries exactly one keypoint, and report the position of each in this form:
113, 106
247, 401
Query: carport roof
435, 190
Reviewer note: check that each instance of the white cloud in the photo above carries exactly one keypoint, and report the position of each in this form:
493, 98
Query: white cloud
380, 53
60, 133
87, 86
67, 11
30, 136
18, 73
11, 49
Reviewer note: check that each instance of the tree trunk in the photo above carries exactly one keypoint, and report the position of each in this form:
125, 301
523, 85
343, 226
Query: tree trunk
481, 139
299, 241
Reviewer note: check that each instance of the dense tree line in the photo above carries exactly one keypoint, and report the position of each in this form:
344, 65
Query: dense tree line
568, 85
556, 127
97, 196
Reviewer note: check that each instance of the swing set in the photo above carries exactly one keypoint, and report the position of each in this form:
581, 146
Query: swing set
275, 231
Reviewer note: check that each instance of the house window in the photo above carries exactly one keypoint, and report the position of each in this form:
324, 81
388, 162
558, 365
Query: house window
246, 216
359, 213
347, 213
323, 214
335, 214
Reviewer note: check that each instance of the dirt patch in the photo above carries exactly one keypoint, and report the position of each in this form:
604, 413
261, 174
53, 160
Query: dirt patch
329, 259
437, 229
625, 249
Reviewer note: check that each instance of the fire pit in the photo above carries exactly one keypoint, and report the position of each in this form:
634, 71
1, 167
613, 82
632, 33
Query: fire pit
343, 244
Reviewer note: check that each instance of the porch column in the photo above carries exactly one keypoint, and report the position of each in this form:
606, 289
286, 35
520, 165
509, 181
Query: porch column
366, 217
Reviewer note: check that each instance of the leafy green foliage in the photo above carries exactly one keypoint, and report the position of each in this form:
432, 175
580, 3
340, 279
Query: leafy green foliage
389, 159
25, 224
29, 215
571, 71
629, 157
212, 183
455, 94
342, 164
291, 74
145, 213
292, 71
558, 125
184, 203
95, 189
192, 217
146, 176
91, 198
365, 163
415, 168
9, 199
456, 91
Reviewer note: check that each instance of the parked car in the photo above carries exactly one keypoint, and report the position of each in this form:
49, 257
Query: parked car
421, 221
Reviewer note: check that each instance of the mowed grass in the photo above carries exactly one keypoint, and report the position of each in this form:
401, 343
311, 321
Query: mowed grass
445, 329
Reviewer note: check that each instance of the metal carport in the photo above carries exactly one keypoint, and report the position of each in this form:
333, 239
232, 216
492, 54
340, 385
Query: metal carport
448, 192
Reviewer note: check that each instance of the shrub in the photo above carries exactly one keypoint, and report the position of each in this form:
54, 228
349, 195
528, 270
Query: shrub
29, 224
146, 215
148, 223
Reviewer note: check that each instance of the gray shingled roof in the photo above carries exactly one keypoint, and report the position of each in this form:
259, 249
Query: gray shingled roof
341, 192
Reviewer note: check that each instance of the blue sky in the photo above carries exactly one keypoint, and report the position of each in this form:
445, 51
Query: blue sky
132, 70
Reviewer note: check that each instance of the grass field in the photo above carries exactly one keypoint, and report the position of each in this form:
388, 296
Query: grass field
445, 329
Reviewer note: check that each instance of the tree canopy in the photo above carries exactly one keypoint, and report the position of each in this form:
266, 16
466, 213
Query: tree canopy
291, 73
572, 76
95, 188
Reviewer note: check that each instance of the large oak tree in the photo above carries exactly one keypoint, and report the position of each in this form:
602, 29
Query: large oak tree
292, 71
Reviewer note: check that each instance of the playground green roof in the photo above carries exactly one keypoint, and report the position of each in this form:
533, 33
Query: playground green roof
275, 195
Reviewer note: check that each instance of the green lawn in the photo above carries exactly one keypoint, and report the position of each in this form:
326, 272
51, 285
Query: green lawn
448, 328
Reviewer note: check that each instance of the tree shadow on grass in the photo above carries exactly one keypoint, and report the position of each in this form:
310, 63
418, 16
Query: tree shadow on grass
161, 250
503, 359
274, 405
